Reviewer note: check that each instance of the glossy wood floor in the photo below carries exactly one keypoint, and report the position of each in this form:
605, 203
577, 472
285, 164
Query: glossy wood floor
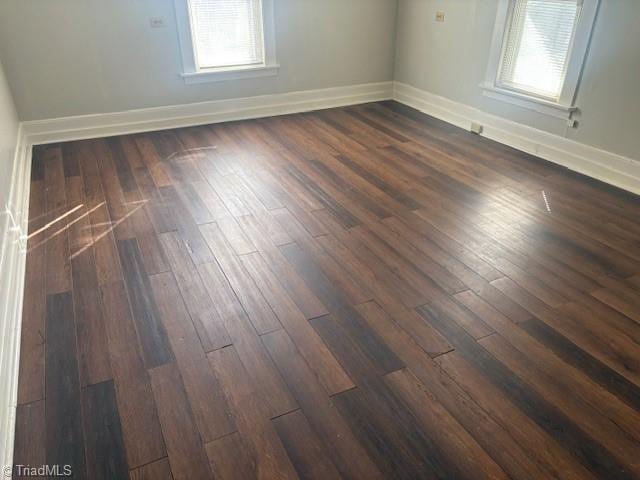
360, 293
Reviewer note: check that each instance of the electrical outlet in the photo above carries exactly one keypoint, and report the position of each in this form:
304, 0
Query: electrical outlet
439, 16
476, 128
157, 22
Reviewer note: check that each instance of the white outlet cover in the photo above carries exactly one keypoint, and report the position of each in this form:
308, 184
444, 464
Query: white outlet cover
157, 22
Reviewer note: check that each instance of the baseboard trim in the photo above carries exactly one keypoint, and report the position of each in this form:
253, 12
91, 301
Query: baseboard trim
605, 166
12, 274
176, 116
608, 167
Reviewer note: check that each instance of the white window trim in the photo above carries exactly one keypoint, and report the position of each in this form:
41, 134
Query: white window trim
192, 74
565, 105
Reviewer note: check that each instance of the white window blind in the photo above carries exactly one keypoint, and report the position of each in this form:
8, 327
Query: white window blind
227, 33
537, 46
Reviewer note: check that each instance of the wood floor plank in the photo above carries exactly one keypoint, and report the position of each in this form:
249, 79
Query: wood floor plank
348, 125
531, 284
118, 208
156, 208
346, 317
382, 422
251, 417
254, 357
341, 214
152, 335
474, 325
122, 151
361, 364
424, 288
304, 298
439, 275
428, 338
308, 269
621, 300
263, 217
576, 321
210, 198
330, 373
352, 286
238, 240
71, 161
258, 310
348, 455
152, 160
32, 348
79, 226
231, 459
209, 324
307, 454
450, 244
503, 303
106, 457
63, 411
150, 249
58, 267
577, 408
30, 442
488, 431
175, 158
139, 418
588, 451
367, 198
187, 227
92, 349
389, 432
573, 367
104, 244
194, 204
187, 456
158, 470
266, 192
381, 183
207, 402
594, 368
543, 451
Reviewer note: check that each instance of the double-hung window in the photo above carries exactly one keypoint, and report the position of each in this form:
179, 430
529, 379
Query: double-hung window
226, 39
538, 51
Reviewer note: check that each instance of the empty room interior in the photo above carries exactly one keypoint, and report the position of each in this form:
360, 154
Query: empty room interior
320, 239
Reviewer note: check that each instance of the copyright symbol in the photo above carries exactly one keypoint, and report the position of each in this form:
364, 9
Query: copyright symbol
7, 471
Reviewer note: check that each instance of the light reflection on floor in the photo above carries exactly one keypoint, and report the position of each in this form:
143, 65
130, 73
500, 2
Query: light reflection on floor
94, 239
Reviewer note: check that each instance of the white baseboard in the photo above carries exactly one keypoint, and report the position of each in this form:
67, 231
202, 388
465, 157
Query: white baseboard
608, 167
158, 118
12, 271
596, 163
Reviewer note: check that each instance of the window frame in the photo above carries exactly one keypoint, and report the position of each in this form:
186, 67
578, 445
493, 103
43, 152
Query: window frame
193, 74
565, 106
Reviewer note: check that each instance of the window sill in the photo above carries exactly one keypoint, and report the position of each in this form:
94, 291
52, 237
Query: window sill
235, 73
539, 105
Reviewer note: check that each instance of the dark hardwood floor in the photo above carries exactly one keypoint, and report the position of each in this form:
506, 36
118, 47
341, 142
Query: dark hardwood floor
358, 293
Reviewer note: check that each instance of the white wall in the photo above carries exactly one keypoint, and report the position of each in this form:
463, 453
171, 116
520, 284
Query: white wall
8, 136
449, 59
71, 57
9, 255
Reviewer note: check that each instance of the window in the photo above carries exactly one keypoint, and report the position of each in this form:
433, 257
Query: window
538, 51
226, 39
